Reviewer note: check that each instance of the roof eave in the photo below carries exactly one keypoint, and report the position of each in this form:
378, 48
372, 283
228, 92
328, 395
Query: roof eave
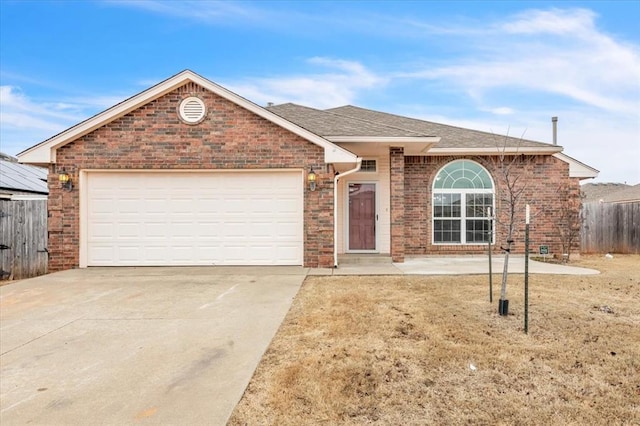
413, 145
384, 139
577, 169
515, 150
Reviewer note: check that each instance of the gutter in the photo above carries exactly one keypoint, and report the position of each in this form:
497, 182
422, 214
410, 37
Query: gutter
335, 208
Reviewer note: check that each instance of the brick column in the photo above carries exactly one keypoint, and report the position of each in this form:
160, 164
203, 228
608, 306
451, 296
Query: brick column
396, 156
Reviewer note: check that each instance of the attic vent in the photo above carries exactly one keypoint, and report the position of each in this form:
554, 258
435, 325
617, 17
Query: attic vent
192, 110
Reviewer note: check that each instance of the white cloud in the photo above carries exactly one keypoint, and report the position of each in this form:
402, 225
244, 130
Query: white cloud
204, 11
25, 122
553, 21
341, 85
500, 110
578, 62
18, 111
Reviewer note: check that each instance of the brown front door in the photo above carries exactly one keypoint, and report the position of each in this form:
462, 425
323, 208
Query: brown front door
362, 216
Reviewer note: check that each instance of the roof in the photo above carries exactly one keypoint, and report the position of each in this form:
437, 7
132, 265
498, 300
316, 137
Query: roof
21, 178
45, 152
327, 124
452, 138
611, 192
348, 131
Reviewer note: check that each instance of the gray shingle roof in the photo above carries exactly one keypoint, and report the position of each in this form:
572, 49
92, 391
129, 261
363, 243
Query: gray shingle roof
610, 192
451, 136
327, 123
23, 178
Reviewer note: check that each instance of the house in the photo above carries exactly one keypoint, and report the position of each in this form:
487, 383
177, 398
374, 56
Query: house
21, 181
616, 193
23, 219
190, 173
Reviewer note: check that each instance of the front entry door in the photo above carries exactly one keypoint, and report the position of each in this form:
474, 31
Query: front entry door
362, 216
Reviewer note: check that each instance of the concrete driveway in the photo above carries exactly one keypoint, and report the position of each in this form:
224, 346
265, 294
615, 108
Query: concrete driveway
136, 345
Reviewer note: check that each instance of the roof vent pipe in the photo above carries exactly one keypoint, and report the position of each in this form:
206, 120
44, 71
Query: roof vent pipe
554, 120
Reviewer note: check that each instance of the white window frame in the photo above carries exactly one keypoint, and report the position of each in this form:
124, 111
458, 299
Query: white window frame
463, 192
370, 159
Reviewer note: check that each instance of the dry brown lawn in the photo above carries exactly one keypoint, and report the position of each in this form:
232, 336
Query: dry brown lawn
402, 350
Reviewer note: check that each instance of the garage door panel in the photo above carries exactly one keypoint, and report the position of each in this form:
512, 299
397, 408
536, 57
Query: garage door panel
103, 205
153, 254
209, 230
154, 230
102, 254
152, 205
102, 230
171, 218
128, 230
287, 252
209, 252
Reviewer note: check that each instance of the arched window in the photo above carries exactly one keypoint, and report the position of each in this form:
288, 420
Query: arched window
462, 192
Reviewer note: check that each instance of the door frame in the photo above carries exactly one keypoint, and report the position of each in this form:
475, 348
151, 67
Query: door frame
375, 184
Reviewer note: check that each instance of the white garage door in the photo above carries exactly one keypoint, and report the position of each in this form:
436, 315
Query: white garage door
181, 218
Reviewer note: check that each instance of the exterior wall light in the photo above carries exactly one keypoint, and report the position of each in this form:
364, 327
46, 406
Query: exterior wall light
65, 180
311, 178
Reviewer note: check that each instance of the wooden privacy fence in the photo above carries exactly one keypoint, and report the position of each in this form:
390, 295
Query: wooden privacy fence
23, 238
610, 228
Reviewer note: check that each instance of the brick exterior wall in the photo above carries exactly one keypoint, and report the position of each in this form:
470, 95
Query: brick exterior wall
154, 137
544, 179
397, 187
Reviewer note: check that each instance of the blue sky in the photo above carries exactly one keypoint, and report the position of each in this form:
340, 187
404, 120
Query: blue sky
502, 67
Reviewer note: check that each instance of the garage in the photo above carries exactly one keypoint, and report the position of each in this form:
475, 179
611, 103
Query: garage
182, 218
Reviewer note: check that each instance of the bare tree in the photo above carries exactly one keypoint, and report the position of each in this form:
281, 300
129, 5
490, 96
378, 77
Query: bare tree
510, 173
567, 218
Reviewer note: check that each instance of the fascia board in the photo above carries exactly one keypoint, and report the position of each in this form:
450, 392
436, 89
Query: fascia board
578, 169
494, 151
413, 145
44, 152
384, 139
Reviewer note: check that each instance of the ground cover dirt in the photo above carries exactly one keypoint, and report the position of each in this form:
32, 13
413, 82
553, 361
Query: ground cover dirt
433, 350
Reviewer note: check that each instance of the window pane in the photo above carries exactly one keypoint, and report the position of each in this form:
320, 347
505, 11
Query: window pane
368, 166
477, 204
446, 231
446, 205
456, 209
477, 231
463, 174
486, 181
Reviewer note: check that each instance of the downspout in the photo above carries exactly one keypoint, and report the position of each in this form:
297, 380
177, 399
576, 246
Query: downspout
335, 208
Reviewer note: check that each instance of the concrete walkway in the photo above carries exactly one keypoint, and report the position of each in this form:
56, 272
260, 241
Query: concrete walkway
461, 265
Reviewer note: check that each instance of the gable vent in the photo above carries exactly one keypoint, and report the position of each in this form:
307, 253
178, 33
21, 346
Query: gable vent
192, 110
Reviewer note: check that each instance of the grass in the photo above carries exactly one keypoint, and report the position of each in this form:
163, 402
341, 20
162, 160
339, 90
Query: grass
423, 350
